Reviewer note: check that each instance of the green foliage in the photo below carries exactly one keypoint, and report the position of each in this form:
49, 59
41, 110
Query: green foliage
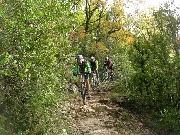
3, 130
36, 60
34, 46
155, 83
168, 121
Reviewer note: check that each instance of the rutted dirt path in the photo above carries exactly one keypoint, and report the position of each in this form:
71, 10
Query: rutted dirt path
101, 117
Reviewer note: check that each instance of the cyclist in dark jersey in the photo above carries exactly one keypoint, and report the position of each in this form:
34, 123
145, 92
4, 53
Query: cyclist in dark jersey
94, 67
109, 64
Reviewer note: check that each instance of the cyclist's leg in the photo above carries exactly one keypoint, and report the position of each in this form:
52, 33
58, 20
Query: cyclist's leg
112, 70
97, 76
91, 78
79, 80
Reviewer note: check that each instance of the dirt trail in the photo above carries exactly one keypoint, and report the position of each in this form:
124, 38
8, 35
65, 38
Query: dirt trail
102, 117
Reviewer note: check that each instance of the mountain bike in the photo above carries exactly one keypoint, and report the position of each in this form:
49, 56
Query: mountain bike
83, 88
94, 80
107, 75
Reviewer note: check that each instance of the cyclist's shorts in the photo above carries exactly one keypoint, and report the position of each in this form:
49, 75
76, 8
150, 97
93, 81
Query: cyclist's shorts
86, 76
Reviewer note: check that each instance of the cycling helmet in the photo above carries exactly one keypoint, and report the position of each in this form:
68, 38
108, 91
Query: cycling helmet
78, 57
92, 58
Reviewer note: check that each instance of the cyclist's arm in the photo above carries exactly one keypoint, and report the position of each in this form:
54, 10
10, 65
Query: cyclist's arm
97, 65
88, 68
75, 70
110, 64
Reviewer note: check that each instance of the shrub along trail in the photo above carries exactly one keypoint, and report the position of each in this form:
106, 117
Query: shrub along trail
102, 117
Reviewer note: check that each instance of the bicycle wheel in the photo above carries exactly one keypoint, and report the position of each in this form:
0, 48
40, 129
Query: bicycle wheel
109, 77
93, 82
83, 93
105, 77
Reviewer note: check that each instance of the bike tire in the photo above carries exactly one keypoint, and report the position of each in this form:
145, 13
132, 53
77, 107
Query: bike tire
109, 77
83, 94
93, 83
96, 82
105, 77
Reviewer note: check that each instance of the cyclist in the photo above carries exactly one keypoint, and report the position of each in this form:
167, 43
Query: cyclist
82, 66
109, 64
94, 67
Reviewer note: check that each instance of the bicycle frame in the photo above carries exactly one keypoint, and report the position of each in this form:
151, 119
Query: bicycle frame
107, 75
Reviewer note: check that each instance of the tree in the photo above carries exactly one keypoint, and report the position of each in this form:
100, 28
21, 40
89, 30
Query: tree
155, 82
33, 54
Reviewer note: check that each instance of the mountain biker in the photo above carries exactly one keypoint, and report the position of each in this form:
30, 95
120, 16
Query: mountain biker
94, 67
82, 66
109, 64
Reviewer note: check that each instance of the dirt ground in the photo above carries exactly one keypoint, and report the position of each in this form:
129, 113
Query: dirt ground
102, 117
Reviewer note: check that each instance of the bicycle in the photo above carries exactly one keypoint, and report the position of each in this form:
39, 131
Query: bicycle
83, 88
107, 75
94, 80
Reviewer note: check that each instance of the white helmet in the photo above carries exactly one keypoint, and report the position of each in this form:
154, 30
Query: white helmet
92, 58
79, 57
